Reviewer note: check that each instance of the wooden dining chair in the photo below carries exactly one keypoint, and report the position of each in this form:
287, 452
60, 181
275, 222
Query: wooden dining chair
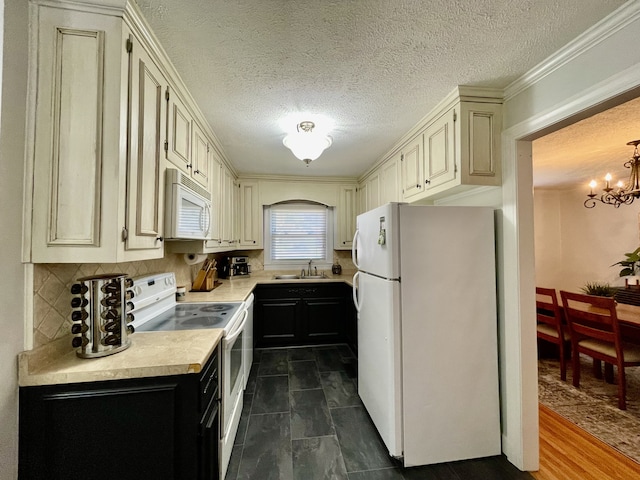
594, 329
550, 325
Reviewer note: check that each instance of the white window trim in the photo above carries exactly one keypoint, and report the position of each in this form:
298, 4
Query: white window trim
324, 264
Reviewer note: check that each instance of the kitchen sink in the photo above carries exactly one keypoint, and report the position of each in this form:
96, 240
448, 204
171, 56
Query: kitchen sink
298, 277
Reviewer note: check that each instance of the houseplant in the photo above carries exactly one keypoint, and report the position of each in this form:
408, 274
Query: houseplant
598, 289
631, 264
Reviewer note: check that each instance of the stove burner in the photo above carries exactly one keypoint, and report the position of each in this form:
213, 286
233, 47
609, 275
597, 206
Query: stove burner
202, 322
186, 306
216, 308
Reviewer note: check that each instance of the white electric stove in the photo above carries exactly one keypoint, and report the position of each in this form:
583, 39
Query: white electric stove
154, 308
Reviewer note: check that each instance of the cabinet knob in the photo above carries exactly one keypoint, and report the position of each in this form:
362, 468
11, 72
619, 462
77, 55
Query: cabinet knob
254, 241
196, 171
418, 185
159, 239
427, 181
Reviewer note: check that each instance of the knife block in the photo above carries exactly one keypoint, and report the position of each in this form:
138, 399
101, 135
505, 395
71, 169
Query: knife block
209, 283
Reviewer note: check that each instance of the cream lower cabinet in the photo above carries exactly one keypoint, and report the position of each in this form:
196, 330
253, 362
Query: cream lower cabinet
345, 217
250, 215
97, 185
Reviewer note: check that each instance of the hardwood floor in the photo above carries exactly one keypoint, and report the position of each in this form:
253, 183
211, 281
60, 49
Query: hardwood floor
569, 453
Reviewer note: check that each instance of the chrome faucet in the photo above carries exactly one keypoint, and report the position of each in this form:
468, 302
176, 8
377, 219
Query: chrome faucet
302, 273
309, 271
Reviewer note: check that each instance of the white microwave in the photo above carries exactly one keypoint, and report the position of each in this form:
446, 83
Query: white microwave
188, 208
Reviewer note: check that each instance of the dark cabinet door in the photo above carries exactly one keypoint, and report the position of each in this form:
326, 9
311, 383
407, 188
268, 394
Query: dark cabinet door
124, 429
325, 320
277, 321
301, 314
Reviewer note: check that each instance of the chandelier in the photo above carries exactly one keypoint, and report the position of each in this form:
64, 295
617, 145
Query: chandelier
306, 144
620, 194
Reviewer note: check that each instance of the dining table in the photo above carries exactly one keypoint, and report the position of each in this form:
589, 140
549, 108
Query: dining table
629, 321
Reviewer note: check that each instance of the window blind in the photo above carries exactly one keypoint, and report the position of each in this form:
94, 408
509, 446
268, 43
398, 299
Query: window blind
298, 233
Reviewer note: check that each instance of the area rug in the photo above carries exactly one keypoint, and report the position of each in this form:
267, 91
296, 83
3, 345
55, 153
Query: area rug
593, 407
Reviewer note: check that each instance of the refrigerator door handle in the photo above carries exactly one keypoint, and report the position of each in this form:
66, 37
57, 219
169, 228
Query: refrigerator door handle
356, 302
354, 249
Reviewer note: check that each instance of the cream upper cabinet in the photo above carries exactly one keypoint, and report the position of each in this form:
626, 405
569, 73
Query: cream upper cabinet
345, 217
200, 157
179, 132
412, 168
373, 191
455, 148
145, 179
187, 146
362, 198
97, 189
390, 180
227, 208
215, 167
250, 214
439, 150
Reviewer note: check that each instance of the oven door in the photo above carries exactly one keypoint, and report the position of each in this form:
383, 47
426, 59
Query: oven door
232, 387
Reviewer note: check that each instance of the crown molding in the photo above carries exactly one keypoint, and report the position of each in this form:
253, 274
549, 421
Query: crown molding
295, 178
619, 19
105, 7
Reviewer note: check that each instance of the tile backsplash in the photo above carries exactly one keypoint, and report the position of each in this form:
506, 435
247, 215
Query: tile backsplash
52, 283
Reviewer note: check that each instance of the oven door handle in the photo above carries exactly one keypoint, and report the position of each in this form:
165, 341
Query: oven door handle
238, 330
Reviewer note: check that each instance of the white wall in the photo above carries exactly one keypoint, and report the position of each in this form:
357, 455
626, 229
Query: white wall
575, 245
12, 121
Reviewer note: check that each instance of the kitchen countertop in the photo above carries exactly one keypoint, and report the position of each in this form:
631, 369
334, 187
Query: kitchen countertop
151, 354
239, 289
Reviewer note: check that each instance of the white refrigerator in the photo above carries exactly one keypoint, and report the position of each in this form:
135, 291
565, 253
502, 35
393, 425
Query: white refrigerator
425, 292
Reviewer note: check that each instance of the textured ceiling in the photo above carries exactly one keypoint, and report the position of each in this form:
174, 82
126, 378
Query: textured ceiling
372, 67
588, 149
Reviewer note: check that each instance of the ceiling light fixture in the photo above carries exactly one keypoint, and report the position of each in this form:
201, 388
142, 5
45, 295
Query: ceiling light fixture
621, 194
305, 144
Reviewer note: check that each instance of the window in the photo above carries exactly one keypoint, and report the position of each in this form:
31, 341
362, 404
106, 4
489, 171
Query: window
297, 233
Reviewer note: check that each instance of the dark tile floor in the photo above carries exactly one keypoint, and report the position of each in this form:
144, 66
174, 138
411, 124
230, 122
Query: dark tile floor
303, 420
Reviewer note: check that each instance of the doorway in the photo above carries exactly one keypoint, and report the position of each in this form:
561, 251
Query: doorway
575, 245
